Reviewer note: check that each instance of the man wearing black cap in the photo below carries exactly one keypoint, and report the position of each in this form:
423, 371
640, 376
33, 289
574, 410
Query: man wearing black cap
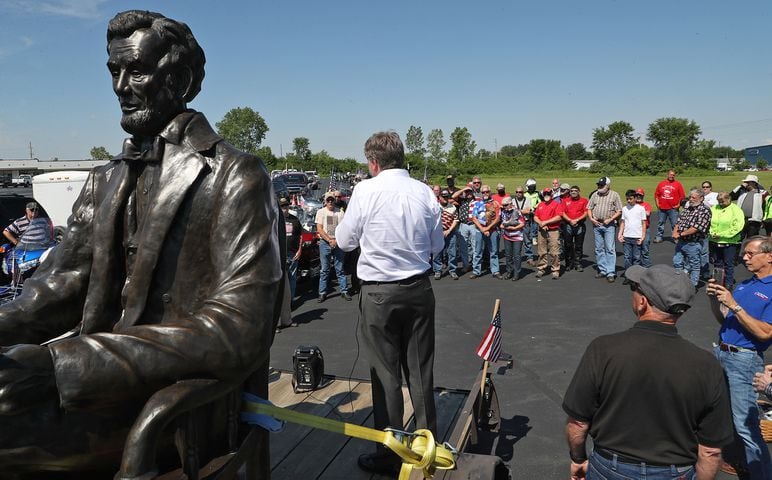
604, 208
655, 404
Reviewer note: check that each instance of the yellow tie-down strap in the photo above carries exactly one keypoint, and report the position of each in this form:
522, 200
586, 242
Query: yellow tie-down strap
417, 450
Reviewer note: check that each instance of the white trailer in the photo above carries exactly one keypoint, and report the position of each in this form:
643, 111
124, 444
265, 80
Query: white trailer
57, 192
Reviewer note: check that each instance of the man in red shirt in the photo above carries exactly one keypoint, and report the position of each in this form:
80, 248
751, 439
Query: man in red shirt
500, 195
668, 196
574, 228
547, 216
645, 257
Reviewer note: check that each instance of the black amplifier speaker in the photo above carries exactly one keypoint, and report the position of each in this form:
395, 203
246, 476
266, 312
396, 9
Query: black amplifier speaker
308, 364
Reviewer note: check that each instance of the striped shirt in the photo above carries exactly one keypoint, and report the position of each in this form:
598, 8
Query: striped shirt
604, 206
449, 215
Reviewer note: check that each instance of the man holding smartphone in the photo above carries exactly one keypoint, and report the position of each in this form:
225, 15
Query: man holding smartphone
745, 316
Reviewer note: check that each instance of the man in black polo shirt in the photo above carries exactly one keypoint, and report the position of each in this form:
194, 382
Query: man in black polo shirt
654, 403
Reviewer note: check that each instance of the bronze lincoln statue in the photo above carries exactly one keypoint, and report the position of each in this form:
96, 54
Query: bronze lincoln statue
169, 269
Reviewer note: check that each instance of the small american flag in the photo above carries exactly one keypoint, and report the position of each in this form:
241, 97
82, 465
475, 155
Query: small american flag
490, 347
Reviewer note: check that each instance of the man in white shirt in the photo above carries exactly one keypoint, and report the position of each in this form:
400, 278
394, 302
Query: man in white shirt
632, 230
395, 220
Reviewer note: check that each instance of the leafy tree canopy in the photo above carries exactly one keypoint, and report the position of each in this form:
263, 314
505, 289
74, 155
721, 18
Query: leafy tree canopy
244, 128
100, 153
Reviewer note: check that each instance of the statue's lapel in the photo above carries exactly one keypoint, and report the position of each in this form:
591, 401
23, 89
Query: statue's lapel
103, 298
179, 170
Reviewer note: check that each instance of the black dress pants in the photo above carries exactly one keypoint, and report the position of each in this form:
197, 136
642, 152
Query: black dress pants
397, 332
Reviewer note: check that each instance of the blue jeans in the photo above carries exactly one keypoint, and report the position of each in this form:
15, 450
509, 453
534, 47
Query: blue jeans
603, 469
704, 259
645, 257
477, 248
632, 252
450, 250
492, 244
465, 242
739, 369
292, 272
325, 252
725, 259
665, 215
606, 249
530, 232
512, 253
687, 257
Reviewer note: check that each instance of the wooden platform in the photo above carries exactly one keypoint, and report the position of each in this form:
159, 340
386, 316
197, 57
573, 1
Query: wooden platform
300, 452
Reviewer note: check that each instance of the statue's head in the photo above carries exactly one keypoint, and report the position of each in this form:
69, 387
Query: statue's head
157, 68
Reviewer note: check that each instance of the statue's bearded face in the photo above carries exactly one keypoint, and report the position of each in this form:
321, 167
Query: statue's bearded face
142, 79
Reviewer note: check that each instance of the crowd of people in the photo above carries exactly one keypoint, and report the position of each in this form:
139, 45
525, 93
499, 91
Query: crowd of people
546, 228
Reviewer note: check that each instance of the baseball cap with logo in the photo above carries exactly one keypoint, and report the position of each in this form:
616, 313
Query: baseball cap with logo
639, 191
565, 186
666, 288
547, 191
500, 186
283, 202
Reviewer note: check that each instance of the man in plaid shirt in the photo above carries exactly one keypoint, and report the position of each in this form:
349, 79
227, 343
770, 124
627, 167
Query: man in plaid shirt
692, 228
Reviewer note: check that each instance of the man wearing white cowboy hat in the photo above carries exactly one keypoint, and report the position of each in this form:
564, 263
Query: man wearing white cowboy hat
750, 196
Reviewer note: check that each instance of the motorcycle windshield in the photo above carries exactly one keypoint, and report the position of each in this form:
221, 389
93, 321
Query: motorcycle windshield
39, 235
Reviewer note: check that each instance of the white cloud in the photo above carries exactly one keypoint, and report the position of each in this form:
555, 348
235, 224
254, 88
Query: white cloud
67, 8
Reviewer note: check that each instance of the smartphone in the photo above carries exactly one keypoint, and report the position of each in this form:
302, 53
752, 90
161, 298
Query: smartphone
719, 276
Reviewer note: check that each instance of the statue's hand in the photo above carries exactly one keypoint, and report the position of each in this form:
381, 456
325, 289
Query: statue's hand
26, 377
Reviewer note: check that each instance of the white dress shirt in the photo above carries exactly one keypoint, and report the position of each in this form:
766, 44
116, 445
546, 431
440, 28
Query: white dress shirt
396, 222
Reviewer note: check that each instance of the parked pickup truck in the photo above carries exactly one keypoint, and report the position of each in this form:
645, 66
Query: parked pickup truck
22, 181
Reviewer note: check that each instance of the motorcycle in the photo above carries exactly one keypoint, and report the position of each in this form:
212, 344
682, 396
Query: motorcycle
308, 263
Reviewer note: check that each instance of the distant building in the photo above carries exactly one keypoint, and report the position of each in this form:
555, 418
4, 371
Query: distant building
34, 166
754, 154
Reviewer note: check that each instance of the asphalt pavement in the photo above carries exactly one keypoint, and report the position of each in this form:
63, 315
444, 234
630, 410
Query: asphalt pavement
547, 325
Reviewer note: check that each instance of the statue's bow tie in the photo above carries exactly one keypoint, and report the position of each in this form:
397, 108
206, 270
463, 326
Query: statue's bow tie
152, 153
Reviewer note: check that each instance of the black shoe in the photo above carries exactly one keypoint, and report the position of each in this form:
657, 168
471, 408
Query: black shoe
345, 296
321, 298
579, 268
383, 464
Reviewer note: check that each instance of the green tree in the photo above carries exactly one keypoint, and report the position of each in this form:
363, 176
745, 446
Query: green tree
462, 146
414, 141
512, 150
100, 153
577, 151
301, 147
673, 139
244, 128
761, 164
637, 160
547, 154
435, 142
610, 143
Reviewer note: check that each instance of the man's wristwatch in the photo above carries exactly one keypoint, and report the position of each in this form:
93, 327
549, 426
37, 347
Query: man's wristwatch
574, 459
737, 308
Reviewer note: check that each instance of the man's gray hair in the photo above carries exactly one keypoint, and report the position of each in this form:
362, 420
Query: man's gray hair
386, 150
182, 45
698, 191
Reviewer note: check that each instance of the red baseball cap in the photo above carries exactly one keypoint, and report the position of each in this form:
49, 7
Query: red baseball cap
640, 191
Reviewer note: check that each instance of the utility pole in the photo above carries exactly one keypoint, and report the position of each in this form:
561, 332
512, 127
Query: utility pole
495, 149
30, 151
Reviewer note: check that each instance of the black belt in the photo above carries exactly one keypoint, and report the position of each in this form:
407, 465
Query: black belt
405, 281
609, 455
725, 347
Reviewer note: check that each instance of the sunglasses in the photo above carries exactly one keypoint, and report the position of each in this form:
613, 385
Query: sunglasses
519, 192
706, 186
476, 183
486, 191
329, 199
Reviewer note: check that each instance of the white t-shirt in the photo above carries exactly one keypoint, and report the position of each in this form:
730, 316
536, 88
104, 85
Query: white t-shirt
711, 199
633, 216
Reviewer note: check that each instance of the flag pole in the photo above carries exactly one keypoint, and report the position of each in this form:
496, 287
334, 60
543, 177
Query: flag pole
485, 364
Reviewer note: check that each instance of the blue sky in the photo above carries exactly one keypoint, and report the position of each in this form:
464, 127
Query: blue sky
336, 71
